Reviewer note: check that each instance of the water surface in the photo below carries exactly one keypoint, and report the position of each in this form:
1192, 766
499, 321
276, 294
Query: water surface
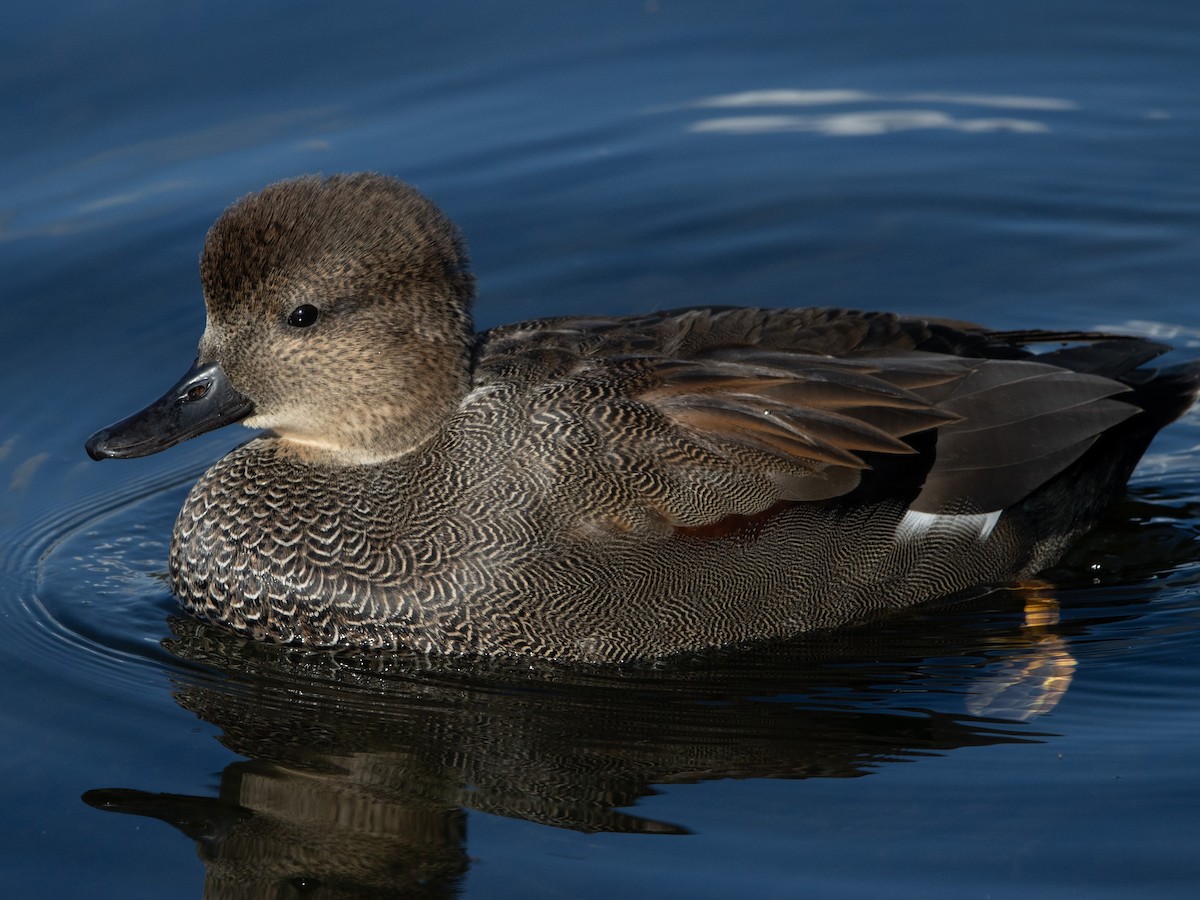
1012, 163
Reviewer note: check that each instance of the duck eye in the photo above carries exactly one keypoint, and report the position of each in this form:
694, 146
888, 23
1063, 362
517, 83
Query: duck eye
303, 316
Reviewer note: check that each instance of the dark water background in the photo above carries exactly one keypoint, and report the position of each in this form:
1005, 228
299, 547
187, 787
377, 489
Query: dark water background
1019, 163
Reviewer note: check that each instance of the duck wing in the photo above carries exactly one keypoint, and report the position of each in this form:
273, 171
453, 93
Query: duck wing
718, 412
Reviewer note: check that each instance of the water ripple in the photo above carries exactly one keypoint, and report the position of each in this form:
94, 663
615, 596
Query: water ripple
888, 113
89, 579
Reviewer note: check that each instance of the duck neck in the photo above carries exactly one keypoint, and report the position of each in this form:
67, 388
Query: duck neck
415, 409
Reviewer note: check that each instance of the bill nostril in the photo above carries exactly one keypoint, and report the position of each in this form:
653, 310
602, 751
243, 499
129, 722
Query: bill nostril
196, 391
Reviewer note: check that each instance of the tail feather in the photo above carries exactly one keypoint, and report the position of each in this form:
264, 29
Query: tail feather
1164, 394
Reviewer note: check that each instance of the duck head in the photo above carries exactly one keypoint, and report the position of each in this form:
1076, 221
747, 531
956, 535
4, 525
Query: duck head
338, 317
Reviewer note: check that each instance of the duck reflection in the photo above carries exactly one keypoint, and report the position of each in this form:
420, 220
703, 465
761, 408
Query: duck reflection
359, 770
277, 831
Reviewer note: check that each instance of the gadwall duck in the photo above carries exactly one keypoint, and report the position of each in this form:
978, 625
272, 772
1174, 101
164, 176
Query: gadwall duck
605, 488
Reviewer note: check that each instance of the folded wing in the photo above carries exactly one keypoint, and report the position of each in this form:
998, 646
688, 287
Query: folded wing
712, 413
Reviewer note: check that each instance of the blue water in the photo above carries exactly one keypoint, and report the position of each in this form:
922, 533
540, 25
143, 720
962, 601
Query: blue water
1018, 163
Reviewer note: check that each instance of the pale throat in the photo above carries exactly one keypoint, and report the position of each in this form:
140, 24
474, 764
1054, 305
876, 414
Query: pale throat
345, 445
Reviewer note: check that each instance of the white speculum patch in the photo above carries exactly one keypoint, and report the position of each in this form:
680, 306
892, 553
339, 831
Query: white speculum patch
916, 525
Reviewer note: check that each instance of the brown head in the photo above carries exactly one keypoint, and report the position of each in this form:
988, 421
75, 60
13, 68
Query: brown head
338, 314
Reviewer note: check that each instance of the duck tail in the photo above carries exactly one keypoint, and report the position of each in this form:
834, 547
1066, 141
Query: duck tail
1080, 494
1164, 394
